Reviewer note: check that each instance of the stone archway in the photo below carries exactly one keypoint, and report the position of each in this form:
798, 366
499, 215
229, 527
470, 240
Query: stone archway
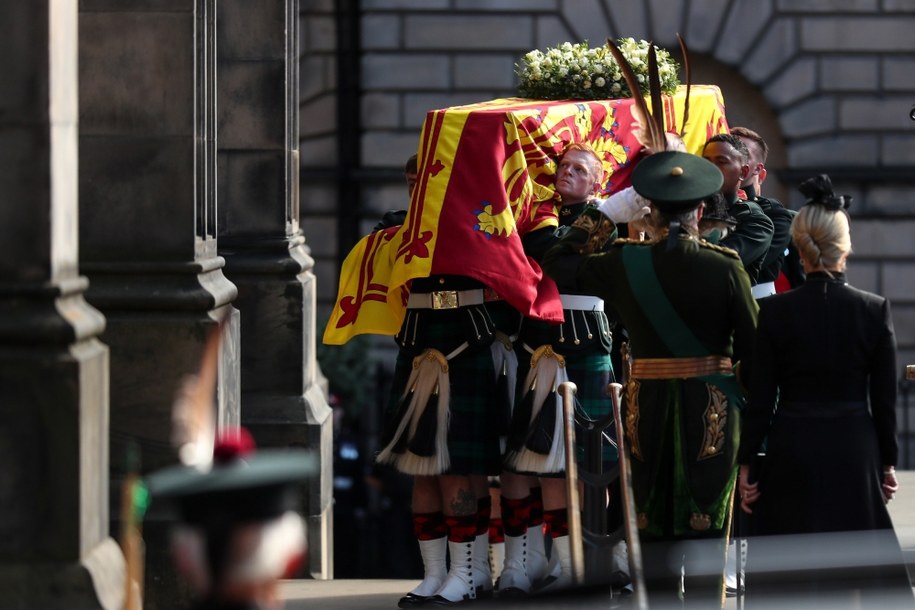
750, 49
745, 106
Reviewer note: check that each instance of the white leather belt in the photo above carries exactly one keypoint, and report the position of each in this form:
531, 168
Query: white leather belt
582, 302
761, 291
445, 299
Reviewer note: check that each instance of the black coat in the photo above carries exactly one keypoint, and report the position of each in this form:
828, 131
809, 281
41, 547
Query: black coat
824, 351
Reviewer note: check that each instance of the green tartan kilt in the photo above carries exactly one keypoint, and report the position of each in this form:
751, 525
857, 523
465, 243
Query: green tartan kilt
473, 442
592, 372
592, 375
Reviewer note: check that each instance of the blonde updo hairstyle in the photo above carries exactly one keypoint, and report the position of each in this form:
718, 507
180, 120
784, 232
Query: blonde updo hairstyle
821, 231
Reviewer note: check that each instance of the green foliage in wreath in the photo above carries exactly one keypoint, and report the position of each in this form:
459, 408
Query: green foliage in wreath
576, 71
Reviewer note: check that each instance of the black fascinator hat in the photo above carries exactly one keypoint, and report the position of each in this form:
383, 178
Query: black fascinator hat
818, 191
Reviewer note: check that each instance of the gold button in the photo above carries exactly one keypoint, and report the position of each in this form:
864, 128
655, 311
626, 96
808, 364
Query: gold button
710, 450
713, 417
676, 171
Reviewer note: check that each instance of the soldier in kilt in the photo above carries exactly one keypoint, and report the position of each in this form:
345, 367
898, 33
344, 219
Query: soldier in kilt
438, 428
577, 350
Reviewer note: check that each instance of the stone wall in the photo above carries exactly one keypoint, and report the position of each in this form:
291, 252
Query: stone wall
830, 84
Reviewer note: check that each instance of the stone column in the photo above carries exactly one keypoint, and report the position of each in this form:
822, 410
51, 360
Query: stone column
264, 248
147, 186
55, 551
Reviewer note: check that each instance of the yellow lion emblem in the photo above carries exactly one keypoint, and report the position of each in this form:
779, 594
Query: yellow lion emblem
491, 224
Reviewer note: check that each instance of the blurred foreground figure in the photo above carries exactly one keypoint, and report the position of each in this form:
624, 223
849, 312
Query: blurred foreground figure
826, 353
238, 532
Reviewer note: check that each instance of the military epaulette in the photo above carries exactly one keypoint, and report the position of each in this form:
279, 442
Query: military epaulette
596, 226
723, 249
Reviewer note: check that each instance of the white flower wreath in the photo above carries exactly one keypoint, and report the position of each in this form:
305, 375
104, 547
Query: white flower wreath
576, 71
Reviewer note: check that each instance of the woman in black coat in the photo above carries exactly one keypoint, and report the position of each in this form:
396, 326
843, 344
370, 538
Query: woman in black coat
822, 408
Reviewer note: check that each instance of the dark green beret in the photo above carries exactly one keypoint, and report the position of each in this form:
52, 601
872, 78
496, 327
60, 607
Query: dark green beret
676, 181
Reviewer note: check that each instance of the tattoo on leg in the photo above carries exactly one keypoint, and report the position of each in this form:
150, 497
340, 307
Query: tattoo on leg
465, 503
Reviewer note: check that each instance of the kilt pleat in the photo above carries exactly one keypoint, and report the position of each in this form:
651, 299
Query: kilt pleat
473, 442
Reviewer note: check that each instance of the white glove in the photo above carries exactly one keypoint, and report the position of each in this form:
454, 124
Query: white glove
624, 206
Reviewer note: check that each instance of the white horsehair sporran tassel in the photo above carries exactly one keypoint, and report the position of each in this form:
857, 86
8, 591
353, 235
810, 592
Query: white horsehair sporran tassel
546, 373
429, 387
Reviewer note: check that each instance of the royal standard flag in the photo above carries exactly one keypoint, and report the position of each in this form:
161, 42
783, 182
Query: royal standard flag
485, 179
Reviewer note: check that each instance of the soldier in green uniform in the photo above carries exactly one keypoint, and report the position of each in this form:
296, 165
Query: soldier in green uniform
782, 256
690, 315
577, 350
752, 236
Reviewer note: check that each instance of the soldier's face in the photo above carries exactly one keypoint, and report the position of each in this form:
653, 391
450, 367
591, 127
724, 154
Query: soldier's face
756, 163
575, 178
728, 160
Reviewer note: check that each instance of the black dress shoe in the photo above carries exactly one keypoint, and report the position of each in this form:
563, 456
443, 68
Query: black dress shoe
412, 600
513, 593
438, 600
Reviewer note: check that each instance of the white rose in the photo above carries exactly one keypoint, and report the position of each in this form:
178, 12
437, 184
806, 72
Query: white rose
599, 82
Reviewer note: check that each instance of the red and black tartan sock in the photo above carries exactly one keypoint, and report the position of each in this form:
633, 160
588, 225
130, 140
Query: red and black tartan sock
461, 528
429, 526
558, 520
536, 506
484, 511
496, 531
516, 516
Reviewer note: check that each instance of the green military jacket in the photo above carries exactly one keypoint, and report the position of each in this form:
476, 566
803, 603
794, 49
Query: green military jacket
752, 236
682, 486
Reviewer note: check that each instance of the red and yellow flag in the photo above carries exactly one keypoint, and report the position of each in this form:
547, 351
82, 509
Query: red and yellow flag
485, 179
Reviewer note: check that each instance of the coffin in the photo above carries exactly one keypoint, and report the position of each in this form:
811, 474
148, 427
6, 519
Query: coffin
485, 179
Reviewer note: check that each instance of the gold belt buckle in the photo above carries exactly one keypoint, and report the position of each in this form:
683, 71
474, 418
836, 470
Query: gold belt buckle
445, 299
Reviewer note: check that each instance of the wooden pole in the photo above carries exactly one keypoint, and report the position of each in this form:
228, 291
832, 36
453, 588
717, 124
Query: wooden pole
567, 390
632, 530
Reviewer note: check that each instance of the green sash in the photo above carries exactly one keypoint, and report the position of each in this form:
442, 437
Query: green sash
682, 343
667, 323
